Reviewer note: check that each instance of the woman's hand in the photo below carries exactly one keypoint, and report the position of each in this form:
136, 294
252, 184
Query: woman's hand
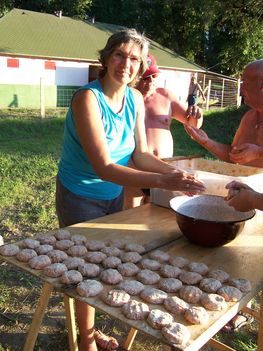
197, 135
245, 153
178, 180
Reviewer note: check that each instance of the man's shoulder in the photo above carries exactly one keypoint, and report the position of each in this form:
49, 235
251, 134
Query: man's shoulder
248, 118
250, 114
164, 92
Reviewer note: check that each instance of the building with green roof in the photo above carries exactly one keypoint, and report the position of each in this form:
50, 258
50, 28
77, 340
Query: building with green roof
55, 54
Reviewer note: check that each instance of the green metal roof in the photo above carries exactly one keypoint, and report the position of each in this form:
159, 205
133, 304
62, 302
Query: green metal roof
41, 35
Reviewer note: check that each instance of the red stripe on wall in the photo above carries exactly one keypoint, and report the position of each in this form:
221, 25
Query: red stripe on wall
13, 62
50, 65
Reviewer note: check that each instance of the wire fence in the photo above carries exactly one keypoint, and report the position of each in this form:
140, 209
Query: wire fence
220, 92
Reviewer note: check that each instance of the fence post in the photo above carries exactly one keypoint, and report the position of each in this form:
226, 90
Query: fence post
222, 94
208, 95
238, 93
42, 98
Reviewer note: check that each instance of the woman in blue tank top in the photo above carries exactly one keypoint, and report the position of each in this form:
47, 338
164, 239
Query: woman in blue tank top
104, 128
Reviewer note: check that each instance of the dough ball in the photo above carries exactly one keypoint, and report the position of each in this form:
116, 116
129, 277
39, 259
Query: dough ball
196, 315
170, 271
170, 285
190, 277
176, 305
62, 234
55, 270
135, 310
198, 267
159, 319
190, 293
148, 277
111, 276
89, 288
159, 255
176, 333
71, 277
116, 298
213, 302
132, 287
153, 295
135, 247
128, 269
178, 261
25, 255
39, 262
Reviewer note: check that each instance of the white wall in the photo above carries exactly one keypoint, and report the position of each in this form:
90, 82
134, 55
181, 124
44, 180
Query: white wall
30, 71
176, 81
76, 73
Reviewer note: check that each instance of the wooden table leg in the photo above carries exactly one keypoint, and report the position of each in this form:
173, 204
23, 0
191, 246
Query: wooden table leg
71, 323
38, 316
260, 327
130, 338
219, 345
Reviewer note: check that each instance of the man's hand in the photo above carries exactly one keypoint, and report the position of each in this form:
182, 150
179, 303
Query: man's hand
194, 112
245, 153
197, 135
240, 196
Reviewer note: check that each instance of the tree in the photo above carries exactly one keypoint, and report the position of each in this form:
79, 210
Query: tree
236, 36
71, 8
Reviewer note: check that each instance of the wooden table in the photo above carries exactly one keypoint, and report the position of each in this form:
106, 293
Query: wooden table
156, 227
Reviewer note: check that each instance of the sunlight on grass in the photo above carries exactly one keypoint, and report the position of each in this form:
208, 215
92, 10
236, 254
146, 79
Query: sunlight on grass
242, 342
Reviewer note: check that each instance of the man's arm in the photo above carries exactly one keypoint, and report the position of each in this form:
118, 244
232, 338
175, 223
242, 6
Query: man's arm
219, 150
181, 114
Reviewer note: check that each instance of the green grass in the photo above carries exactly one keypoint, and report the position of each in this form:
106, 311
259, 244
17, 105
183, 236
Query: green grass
30, 150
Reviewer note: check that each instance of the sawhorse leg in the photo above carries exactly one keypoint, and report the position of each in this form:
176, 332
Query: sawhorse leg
130, 338
39, 314
71, 323
260, 327
38, 317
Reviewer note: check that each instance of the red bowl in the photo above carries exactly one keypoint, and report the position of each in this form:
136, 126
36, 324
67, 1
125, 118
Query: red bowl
207, 220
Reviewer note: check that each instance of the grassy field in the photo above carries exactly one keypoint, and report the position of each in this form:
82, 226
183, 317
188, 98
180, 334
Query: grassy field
30, 150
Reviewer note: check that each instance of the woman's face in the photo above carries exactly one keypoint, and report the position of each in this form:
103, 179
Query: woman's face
124, 63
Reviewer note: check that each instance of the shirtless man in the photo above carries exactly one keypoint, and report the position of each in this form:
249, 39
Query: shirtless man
247, 145
161, 106
192, 98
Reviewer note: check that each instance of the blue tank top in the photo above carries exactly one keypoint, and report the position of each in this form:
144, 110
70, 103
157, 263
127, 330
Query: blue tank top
75, 171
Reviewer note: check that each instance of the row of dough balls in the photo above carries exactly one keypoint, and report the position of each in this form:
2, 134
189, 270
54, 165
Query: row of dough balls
175, 269
211, 284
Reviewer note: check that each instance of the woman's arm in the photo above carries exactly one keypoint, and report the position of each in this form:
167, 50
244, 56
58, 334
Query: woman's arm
93, 140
